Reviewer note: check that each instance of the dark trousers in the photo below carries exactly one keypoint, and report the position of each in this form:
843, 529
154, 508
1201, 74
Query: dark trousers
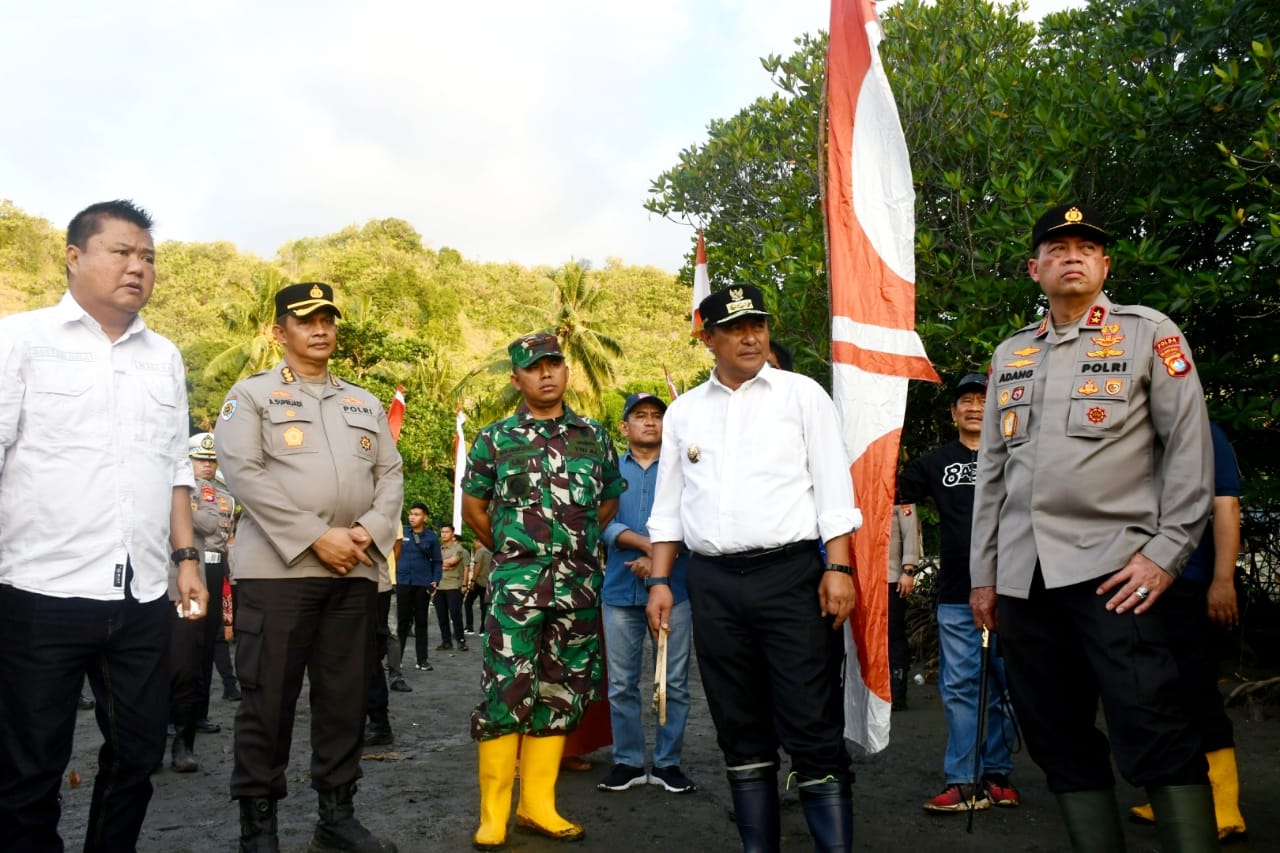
214, 574
1186, 605
320, 626
413, 609
1063, 651
449, 607
186, 661
47, 645
477, 593
899, 650
771, 663
378, 695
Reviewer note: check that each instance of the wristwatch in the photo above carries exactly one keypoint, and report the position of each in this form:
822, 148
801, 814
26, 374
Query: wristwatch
652, 582
842, 569
183, 554
910, 572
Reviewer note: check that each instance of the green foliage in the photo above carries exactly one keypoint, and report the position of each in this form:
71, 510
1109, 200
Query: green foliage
1161, 112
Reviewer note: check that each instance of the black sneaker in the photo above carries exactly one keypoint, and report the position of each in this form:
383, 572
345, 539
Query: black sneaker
445, 647
672, 779
399, 686
622, 777
425, 666
462, 645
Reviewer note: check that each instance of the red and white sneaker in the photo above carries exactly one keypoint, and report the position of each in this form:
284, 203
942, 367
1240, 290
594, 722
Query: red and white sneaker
1000, 790
958, 798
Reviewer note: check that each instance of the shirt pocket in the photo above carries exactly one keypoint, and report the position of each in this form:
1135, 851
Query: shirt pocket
59, 394
585, 479
517, 478
1099, 406
363, 431
290, 431
161, 411
1013, 402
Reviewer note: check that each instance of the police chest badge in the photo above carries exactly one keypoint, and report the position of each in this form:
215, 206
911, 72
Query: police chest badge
1170, 352
293, 437
228, 409
365, 443
208, 494
695, 453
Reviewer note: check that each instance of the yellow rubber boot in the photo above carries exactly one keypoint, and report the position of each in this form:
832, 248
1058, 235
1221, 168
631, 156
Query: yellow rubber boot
1225, 780
497, 776
539, 768
1143, 813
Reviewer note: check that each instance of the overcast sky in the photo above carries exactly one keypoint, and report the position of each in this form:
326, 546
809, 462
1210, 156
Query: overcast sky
515, 131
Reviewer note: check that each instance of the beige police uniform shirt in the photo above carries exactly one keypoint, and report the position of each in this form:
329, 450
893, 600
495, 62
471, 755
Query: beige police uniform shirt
904, 540
213, 513
300, 465
1095, 446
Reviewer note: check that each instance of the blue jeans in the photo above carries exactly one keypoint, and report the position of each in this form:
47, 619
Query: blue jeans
960, 646
625, 630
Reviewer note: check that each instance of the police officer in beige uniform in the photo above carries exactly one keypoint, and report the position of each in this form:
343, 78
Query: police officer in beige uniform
213, 514
311, 459
1094, 482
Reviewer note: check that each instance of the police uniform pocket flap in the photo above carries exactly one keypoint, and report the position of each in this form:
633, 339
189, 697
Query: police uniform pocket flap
285, 411
360, 420
249, 620
1096, 417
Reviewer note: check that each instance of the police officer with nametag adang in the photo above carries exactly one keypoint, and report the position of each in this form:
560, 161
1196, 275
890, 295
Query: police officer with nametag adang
311, 458
1094, 483
753, 474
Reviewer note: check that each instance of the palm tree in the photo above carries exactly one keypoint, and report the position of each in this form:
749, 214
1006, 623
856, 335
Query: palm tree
249, 313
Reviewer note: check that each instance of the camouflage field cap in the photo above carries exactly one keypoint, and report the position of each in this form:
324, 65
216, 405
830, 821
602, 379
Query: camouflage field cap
1081, 219
529, 349
305, 298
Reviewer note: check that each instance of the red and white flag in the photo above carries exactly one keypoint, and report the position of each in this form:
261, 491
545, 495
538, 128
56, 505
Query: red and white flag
395, 414
701, 284
875, 348
459, 468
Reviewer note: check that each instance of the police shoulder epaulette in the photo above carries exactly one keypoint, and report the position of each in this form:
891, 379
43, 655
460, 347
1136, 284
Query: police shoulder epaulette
1140, 311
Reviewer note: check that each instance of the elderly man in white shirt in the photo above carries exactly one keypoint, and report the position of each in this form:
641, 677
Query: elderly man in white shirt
94, 495
753, 478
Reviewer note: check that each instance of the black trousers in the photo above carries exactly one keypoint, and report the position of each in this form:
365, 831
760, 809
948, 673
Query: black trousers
320, 626
413, 609
47, 645
1062, 652
379, 697
770, 663
449, 607
214, 574
477, 593
899, 650
187, 640
1186, 605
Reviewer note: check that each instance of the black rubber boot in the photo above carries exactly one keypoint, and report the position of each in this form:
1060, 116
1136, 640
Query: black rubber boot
378, 730
258, 825
828, 809
182, 756
1093, 821
755, 808
338, 831
1185, 819
230, 690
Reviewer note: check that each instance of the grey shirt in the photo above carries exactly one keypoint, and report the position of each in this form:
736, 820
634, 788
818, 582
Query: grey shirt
1095, 446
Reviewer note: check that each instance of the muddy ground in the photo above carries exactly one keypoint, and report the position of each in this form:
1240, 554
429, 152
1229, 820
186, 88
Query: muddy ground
422, 792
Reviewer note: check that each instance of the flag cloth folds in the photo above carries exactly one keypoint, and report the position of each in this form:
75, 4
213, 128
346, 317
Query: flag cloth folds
395, 414
459, 468
701, 283
875, 349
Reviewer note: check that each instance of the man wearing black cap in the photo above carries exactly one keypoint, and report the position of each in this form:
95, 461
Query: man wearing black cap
946, 475
753, 478
1095, 479
312, 460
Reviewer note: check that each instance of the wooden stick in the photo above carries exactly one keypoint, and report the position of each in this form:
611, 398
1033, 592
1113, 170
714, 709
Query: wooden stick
660, 678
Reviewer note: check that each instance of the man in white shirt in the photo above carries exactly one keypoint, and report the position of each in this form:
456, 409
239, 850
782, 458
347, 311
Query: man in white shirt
753, 477
92, 405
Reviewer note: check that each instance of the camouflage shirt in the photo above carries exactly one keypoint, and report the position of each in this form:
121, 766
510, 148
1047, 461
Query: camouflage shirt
546, 480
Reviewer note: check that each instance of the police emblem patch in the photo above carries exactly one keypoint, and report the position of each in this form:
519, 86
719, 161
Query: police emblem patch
1114, 386
694, 453
1004, 397
365, 443
1009, 424
228, 409
1170, 352
1018, 392
293, 437
1089, 388
1096, 415
208, 493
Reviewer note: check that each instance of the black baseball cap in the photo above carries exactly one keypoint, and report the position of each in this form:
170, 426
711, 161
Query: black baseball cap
972, 382
732, 303
634, 400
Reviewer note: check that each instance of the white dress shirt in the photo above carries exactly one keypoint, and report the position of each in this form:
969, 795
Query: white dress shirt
93, 441
756, 467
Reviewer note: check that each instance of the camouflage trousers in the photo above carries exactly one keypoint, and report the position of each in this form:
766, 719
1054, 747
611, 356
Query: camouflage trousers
541, 668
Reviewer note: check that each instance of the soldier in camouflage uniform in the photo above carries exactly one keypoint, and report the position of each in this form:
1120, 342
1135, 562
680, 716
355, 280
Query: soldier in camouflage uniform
540, 486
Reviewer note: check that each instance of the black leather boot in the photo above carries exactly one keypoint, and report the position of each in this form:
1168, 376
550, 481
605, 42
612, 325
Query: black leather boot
755, 808
258, 825
182, 756
898, 688
828, 809
378, 730
338, 831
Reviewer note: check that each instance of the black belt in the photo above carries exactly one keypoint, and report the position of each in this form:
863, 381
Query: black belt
759, 556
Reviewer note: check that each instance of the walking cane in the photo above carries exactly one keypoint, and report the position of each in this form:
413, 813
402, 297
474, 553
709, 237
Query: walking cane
660, 678
982, 724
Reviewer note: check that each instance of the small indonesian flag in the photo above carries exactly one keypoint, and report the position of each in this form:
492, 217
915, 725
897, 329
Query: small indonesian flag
870, 209
459, 468
701, 284
395, 414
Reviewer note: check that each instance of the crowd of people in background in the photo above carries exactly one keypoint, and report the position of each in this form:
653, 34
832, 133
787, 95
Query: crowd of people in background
1082, 477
